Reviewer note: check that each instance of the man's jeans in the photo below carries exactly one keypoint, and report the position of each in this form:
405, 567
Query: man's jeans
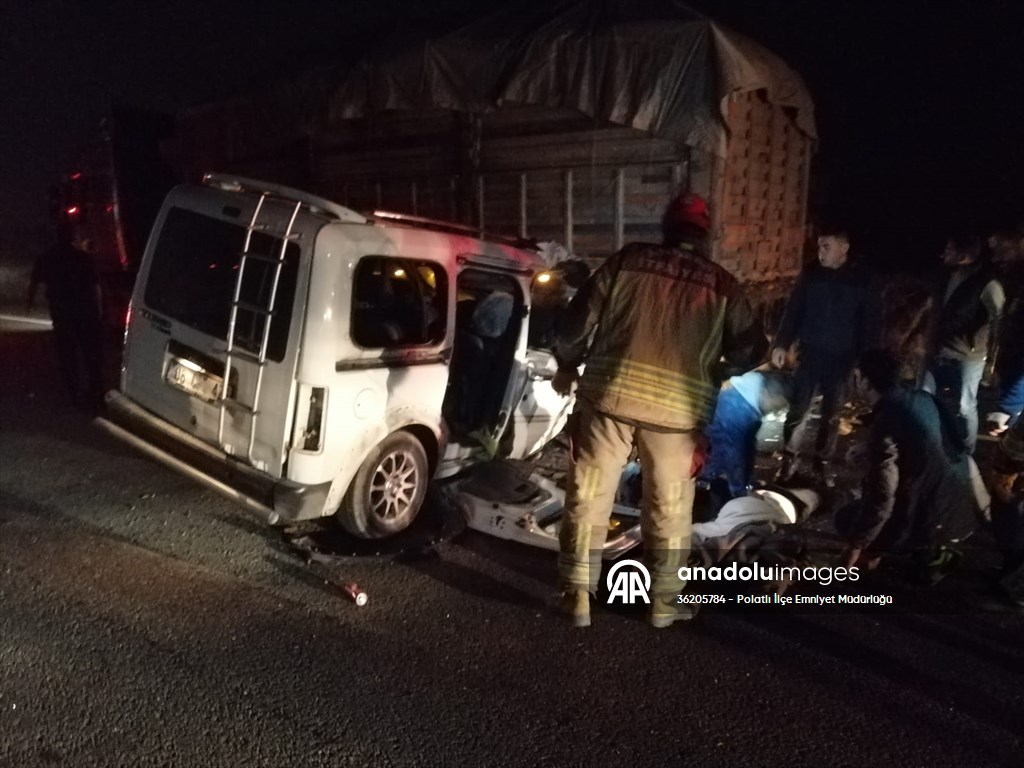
733, 439
956, 385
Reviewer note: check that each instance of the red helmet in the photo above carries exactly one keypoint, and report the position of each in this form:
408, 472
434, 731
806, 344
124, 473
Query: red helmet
688, 209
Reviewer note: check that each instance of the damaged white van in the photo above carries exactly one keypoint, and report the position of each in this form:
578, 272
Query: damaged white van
308, 360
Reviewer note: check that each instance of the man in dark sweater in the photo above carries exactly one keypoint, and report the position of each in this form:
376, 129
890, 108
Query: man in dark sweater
834, 313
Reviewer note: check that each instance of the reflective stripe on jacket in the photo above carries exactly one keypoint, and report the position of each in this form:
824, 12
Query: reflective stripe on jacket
651, 326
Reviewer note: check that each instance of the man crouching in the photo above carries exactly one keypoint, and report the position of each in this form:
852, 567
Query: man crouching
917, 496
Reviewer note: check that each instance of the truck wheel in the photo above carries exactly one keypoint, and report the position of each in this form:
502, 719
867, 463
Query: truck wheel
388, 490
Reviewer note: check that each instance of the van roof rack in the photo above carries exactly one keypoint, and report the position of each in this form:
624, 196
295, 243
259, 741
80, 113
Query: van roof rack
313, 202
451, 227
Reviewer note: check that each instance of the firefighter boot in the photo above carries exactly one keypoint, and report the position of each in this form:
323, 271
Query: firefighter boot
576, 605
579, 564
666, 610
663, 558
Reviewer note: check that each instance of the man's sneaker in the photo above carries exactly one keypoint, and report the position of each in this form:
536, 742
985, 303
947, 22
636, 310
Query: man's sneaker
666, 611
943, 563
787, 469
576, 605
1012, 585
826, 476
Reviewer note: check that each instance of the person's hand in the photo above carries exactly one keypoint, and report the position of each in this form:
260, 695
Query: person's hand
849, 557
856, 557
563, 381
989, 378
779, 357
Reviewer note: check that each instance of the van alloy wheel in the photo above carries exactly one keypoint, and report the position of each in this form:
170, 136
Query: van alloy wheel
394, 485
388, 490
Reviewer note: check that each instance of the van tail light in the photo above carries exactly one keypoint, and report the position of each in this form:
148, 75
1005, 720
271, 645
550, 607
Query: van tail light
124, 344
313, 434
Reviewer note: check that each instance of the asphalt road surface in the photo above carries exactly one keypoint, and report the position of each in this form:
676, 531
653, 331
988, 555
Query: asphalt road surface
145, 621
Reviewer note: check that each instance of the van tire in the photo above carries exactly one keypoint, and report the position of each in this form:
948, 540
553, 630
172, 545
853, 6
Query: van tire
388, 489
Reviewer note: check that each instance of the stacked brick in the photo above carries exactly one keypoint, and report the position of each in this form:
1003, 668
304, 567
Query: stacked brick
765, 191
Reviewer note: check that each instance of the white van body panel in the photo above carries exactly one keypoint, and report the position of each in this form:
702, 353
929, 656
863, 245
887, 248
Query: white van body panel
363, 394
151, 337
365, 400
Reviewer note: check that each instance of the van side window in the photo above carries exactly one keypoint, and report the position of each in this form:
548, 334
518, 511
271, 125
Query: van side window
398, 302
193, 273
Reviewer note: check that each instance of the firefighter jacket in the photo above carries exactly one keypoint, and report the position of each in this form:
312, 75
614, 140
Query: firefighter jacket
651, 326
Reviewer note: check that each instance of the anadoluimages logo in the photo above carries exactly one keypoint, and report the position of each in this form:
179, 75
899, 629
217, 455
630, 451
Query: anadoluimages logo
629, 585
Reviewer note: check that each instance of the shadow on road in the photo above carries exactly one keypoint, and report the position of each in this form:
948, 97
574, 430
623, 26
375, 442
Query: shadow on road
32, 396
792, 637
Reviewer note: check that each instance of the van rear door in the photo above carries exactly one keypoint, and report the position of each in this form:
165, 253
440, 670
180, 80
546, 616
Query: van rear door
218, 315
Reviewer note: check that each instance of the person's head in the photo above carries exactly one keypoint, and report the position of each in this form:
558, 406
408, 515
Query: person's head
877, 372
686, 218
833, 246
961, 250
574, 272
1007, 245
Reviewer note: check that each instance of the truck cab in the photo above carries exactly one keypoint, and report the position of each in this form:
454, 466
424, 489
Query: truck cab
309, 360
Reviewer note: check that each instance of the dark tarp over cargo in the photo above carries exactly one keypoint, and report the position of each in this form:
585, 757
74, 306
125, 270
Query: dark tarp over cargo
658, 67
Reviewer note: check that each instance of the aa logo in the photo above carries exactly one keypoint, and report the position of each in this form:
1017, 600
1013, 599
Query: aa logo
628, 581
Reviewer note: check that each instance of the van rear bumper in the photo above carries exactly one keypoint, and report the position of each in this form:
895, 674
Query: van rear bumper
274, 499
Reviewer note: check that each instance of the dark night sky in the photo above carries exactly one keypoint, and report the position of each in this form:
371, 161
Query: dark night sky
919, 104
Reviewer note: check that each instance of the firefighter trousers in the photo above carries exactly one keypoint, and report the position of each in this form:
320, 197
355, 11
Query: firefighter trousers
603, 445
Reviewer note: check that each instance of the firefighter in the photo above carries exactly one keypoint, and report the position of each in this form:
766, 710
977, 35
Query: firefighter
651, 326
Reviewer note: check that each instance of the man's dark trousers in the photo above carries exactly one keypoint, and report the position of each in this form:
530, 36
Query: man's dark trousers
828, 374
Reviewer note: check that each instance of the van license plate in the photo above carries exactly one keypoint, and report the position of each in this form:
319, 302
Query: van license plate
199, 384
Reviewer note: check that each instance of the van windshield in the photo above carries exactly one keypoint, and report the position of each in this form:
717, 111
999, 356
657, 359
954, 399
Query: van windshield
193, 273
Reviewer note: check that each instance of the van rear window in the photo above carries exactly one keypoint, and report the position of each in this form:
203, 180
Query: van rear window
193, 274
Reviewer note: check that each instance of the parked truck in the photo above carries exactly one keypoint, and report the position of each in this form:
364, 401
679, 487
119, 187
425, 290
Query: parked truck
574, 123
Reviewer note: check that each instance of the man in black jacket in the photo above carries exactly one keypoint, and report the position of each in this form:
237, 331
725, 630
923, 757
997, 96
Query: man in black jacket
834, 313
66, 272
972, 305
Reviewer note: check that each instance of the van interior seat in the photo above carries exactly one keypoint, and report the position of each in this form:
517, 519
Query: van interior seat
480, 341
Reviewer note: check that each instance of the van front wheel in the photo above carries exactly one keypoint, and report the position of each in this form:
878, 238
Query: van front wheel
388, 490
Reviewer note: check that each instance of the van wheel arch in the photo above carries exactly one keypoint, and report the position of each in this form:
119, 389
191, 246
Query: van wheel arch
428, 439
387, 492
